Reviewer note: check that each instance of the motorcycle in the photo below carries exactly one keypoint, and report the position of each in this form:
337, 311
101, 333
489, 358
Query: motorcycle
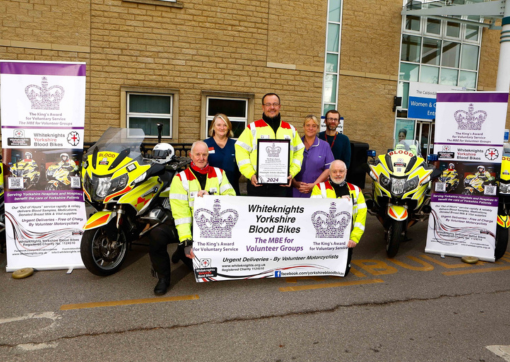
58, 178
503, 222
129, 192
474, 185
450, 179
28, 171
400, 194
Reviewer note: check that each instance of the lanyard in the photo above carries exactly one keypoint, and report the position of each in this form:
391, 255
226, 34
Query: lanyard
334, 139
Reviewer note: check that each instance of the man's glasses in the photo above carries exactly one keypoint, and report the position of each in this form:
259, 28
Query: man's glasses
271, 104
332, 119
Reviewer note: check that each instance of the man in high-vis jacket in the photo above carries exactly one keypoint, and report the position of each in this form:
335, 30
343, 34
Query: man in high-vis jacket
336, 187
196, 181
269, 127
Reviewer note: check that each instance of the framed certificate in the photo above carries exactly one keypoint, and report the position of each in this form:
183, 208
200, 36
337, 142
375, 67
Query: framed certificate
273, 161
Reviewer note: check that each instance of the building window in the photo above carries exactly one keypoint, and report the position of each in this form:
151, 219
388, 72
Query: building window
236, 109
439, 51
332, 58
146, 110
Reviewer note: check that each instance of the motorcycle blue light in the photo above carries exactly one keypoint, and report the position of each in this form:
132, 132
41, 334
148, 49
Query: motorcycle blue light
432, 157
371, 153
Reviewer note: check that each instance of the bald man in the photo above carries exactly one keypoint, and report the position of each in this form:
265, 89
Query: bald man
197, 180
336, 187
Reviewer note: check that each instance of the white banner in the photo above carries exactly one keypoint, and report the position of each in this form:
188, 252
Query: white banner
469, 143
253, 237
43, 108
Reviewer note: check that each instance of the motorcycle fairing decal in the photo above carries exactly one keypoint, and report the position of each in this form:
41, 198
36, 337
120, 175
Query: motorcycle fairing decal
87, 194
504, 221
123, 191
99, 219
397, 212
133, 198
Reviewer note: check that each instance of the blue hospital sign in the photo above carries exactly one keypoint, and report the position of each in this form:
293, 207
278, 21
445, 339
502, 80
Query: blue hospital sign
422, 99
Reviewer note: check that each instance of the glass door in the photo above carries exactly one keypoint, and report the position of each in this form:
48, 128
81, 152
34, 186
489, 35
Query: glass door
425, 136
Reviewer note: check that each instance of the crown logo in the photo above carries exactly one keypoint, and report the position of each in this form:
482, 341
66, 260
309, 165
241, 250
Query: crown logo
470, 120
43, 97
216, 224
273, 151
327, 225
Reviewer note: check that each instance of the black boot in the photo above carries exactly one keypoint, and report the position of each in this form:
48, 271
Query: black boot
162, 286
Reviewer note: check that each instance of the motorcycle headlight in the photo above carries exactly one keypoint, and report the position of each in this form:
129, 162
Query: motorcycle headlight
384, 181
118, 184
397, 186
504, 188
103, 185
411, 184
50, 172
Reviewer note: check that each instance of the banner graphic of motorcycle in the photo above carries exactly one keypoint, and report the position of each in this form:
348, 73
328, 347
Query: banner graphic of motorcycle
469, 143
43, 116
250, 238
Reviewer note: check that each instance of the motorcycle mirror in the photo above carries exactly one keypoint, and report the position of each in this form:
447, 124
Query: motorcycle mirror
435, 174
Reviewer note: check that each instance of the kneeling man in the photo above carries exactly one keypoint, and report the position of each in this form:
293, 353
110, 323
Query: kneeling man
197, 180
337, 187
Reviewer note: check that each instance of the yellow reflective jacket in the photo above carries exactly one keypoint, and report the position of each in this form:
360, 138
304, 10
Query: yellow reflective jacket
246, 146
359, 210
183, 191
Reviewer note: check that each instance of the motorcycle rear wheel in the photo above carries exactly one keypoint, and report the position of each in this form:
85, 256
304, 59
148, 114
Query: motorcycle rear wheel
102, 254
501, 242
393, 237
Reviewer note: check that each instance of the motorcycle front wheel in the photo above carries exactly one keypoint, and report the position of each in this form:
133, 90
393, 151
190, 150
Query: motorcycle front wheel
501, 242
103, 250
393, 237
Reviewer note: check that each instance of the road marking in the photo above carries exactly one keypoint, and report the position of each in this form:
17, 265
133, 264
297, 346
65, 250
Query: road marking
36, 346
329, 285
501, 351
447, 266
472, 271
116, 303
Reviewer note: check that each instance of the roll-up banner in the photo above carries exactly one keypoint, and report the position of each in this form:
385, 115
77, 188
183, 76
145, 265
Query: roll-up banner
250, 237
469, 143
43, 114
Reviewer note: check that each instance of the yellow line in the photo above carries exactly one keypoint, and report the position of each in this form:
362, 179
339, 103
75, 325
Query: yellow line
114, 303
472, 271
329, 285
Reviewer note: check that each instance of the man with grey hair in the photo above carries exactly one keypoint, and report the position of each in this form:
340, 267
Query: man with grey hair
336, 187
197, 180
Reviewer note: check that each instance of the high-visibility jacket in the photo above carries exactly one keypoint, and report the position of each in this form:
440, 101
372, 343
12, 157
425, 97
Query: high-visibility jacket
246, 146
359, 210
183, 191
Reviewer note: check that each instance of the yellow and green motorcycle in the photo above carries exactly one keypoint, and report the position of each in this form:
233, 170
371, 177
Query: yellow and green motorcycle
130, 193
399, 195
28, 170
503, 209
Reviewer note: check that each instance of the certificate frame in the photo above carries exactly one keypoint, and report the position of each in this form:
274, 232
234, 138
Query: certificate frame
273, 160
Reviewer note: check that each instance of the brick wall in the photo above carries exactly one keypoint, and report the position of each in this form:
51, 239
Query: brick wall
228, 45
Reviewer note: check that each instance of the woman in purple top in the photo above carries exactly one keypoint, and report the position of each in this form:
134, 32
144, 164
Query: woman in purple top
316, 160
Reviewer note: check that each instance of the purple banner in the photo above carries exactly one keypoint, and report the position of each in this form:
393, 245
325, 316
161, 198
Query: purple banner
473, 97
43, 68
466, 199
44, 196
